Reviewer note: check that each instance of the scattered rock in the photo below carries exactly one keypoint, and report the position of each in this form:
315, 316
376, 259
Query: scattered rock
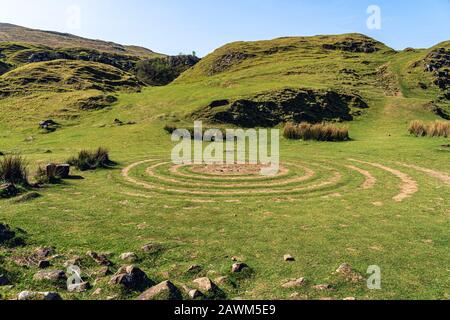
350, 299
76, 261
54, 276
49, 125
344, 269
224, 281
152, 248
295, 283
206, 285
101, 260
27, 197
195, 294
288, 258
44, 264
163, 291
6, 234
8, 190
323, 287
104, 271
79, 287
347, 271
97, 292
298, 296
30, 295
131, 278
238, 267
43, 252
128, 256
194, 269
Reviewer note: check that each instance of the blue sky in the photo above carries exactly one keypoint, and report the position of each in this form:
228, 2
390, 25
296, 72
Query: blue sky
174, 26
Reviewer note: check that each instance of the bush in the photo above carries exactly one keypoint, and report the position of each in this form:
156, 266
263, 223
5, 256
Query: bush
92, 160
14, 170
318, 132
418, 128
435, 129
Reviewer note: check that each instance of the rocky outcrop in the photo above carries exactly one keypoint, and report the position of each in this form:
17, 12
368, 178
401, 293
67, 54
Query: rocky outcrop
162, 71
356, 46
438, 63
271, 108
228, 60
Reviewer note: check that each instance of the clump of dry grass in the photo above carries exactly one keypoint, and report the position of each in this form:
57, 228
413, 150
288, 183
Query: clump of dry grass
318, 132
14, 170
434, 129
92, 160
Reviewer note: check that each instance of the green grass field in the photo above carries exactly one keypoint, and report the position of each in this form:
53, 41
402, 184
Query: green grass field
380, 199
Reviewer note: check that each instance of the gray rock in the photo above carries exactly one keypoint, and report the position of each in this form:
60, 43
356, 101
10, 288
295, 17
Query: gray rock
42, 253
288, 258
295, 283
194, 269
238, 267
195, 294
163, 291
80, 287
206, 285
128, 256
54, 276
131, 278
44, 264
323, 287
30, 295
100, 259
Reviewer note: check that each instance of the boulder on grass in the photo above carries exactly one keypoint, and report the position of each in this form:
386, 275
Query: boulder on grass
164, 291
30, 295
132, 278
6, 234
55, 276
8, 190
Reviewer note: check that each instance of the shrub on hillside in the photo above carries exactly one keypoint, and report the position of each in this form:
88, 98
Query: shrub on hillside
14, 170
434, 129
91, 160
318, 132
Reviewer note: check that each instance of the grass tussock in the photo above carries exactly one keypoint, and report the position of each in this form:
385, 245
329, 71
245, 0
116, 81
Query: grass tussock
47, 176
318, 132
92, 160
14, 170
434, 129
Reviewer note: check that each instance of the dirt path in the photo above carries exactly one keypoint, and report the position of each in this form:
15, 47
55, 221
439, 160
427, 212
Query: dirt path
432, 173
370, 179
337, 176
408, 187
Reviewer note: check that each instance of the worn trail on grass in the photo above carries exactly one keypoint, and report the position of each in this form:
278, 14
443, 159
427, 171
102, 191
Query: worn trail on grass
408, 187
296, 180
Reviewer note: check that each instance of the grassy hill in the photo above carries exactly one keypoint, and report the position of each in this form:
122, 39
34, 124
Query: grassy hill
13, 33
380, 199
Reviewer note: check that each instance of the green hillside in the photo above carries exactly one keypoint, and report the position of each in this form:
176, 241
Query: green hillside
13, 33
381, 198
